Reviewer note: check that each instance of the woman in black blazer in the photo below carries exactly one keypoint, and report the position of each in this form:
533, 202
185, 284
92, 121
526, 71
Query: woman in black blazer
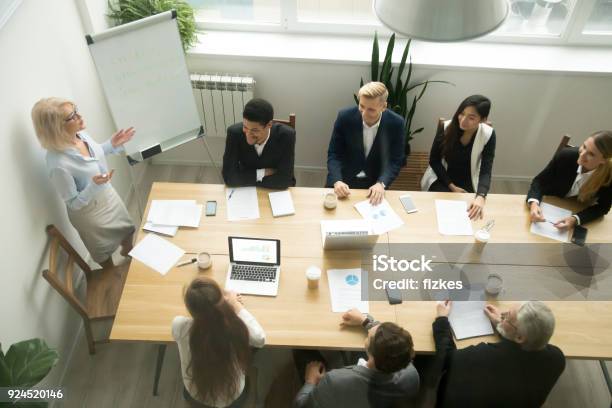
585, 173
462, 153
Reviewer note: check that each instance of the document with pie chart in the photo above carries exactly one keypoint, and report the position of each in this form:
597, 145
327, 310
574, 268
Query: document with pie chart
345, 290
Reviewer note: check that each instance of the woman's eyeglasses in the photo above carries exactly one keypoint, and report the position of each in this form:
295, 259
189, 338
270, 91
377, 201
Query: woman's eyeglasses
72, 115
505, 317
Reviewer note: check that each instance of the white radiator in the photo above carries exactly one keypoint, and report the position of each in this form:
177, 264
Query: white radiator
220, 99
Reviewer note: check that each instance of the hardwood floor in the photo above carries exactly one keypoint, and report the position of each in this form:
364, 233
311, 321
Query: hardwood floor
121, 374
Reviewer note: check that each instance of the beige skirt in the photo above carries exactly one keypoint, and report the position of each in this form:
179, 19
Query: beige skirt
102, 224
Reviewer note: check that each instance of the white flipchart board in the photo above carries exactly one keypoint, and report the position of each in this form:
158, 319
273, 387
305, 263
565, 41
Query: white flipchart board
144, 75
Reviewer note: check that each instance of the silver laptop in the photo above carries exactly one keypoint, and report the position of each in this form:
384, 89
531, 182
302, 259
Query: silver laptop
347, 234
254, 266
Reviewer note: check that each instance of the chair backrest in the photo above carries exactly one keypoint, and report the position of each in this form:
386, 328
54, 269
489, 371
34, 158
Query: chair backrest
564, 143
63, 282
290, 122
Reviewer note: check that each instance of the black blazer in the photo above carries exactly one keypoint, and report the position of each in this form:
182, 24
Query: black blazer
557, 180
346, 155
494, 374
240, 160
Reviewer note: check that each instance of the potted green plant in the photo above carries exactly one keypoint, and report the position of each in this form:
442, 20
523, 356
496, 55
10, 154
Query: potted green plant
125, 11
25, 364
399, 86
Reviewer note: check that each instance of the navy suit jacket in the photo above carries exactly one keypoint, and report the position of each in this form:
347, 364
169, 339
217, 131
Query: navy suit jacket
346, 154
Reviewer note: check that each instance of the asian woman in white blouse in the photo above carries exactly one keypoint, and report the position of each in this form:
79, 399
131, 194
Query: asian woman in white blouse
77, 168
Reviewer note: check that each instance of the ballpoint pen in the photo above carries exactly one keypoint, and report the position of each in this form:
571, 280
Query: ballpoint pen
192, 260
230, 194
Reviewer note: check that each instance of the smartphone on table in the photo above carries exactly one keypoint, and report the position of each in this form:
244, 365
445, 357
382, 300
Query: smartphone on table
409, 206
211, 208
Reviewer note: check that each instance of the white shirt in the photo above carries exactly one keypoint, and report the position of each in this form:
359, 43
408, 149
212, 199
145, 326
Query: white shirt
581, 178
180, 333
369, 134
259, 150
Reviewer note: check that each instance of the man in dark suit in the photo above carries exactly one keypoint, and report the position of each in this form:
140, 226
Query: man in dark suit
366, 149
518, 371
257, 151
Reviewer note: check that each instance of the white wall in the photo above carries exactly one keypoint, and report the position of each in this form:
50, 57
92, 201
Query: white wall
43, 53
531, 110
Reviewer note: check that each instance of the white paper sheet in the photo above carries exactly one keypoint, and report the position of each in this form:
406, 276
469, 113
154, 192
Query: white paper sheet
546, 228
382, 216
345, 290
161, 229
468, 319
281, 203
453, 218
157, 253
184, 213
242, 203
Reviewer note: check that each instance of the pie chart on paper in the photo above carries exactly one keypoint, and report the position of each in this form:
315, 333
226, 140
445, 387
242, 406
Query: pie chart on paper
351, 279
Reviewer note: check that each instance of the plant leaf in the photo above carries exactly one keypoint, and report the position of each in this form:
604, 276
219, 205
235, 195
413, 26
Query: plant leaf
386, 68
29, 361
400, 71
375, 58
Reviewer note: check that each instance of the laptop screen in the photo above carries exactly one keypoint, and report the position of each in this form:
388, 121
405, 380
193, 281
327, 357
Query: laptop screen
254, 250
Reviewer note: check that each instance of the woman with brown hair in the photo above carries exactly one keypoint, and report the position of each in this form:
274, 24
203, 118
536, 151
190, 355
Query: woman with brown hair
584, 173
214, 344
78, 170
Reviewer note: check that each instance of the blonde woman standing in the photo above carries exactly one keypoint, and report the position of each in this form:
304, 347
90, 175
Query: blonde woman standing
583, 172
77, 168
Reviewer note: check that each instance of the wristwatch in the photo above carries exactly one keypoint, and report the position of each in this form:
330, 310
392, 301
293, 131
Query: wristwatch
382, 184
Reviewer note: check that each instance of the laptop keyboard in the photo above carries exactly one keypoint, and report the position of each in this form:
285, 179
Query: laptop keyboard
253, 273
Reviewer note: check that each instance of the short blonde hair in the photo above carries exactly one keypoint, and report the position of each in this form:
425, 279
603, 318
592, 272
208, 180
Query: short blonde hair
374, 90
49, 121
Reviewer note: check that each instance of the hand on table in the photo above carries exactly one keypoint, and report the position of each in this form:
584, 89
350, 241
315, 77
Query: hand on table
567, 222
493, 314
536, 212
234, 299
341, 189
476, 208
376, 193
352, 318
103, 178
443, 308
122, 136
315, 370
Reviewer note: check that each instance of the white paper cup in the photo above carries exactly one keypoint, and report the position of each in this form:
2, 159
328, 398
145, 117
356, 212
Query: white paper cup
204, 260
330, 201
313, 276
482, 236
495, 283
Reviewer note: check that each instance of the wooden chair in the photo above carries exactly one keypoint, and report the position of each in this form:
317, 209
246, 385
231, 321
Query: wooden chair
411, 174
290, 122
564, 143
104, 286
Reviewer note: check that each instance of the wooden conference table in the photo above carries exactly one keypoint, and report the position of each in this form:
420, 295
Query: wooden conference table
299, 317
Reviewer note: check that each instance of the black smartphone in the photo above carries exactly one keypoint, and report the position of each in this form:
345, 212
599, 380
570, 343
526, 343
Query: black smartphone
579, 235
394, 296
211, 208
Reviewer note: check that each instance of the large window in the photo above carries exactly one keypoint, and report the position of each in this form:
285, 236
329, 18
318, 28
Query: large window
533, 21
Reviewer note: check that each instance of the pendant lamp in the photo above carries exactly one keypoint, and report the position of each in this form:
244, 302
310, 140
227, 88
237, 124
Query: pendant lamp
441, 20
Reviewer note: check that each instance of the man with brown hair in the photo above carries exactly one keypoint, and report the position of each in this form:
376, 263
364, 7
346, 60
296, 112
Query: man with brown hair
385, 378
366, 149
